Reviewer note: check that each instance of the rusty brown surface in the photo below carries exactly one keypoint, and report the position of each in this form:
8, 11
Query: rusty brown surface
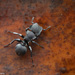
58, 55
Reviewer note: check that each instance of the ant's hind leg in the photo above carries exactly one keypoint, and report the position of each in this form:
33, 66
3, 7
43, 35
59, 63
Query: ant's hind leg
31, 53
16, 33
47, 28
13, 41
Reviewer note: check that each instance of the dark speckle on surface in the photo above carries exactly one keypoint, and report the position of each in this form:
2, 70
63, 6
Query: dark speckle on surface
63, 70
57, 74
55, 3
7, 68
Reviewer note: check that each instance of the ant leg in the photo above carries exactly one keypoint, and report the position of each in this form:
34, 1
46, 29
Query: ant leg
31, 53
16, 33
13, 41
47, 28
32, 20
28, 27
37, 44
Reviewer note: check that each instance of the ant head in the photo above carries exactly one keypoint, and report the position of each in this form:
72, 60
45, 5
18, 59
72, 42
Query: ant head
36, 28
20, 49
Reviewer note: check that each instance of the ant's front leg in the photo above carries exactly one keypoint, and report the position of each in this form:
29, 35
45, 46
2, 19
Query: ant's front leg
47, 28
32, 20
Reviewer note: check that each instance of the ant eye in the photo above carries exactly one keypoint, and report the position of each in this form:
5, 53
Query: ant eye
20, 50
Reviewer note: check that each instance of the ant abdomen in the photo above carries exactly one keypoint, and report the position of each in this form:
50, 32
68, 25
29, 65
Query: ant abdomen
20, 50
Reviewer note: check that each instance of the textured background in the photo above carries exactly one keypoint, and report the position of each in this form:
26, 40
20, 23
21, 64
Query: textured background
58, 55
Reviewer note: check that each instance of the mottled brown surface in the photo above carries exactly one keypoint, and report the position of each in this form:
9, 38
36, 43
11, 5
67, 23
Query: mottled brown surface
58, 55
